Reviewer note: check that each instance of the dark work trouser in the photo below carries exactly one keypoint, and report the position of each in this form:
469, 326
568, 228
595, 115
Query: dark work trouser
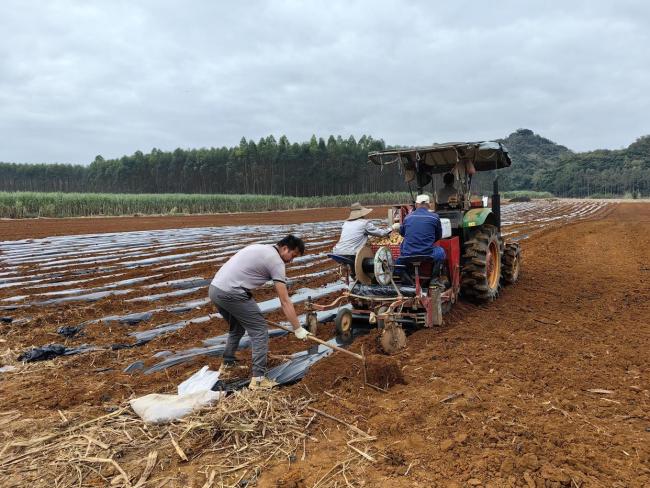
243, 315
438, 255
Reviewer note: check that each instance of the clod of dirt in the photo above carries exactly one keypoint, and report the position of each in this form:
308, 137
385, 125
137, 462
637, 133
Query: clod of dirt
460, 437
395, 458
529, 460
551, 473
446, 444
507, 466
291, 480
383, 371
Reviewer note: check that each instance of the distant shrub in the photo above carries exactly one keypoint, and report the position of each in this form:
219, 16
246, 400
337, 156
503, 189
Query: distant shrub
603, 196
509, 195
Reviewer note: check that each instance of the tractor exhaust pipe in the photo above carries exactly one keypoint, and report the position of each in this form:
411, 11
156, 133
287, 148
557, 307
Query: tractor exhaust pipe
496, 202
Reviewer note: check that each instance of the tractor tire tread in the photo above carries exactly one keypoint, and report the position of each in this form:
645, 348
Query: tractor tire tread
474, 278
511, 263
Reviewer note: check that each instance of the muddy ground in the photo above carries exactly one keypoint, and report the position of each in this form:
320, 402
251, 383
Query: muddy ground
499, 396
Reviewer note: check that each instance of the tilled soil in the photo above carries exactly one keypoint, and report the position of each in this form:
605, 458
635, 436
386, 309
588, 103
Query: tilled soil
45, 227
499, 396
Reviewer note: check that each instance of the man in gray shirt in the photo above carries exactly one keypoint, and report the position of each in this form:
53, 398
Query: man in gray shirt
356, 230
230, 291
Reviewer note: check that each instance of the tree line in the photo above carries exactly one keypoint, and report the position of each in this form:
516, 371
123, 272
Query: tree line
335, 166
313, 168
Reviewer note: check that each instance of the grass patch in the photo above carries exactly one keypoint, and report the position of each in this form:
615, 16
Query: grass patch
526, 193
34, 204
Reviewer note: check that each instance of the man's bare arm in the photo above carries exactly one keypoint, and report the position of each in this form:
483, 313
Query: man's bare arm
287, 304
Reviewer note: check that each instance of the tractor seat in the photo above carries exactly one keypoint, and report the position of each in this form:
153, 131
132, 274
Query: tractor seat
382, 291
342, 259
425, 265
416, 259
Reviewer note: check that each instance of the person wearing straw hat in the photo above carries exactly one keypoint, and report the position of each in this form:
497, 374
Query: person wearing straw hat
355, 231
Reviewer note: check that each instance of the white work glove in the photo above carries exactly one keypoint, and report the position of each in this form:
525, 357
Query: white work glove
301, 333
396, 226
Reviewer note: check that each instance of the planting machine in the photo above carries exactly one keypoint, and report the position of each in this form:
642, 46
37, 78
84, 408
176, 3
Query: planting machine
417, 292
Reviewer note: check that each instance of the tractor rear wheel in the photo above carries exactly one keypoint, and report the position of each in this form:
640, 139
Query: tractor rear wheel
511, 263
481, 272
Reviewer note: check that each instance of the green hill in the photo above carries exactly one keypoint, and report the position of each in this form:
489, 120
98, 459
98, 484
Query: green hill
532, 155
542, 165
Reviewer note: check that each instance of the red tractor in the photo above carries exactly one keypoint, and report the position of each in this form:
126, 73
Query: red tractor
418, 292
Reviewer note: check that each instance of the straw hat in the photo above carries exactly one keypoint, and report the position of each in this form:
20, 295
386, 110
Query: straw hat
357, 211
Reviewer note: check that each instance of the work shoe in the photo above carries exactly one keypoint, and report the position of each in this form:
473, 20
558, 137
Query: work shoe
442, 282
262, 384
230, 369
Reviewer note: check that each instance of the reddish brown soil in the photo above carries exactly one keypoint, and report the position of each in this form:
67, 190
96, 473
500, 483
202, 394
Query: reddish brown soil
496, 397
11, 229
499, 395
383, 371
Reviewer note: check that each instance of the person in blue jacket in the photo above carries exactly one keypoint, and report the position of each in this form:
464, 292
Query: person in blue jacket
421, 229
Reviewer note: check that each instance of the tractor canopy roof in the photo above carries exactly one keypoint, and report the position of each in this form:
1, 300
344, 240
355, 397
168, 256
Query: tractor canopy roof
420, 162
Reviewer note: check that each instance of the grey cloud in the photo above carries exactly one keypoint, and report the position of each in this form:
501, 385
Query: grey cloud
79, 79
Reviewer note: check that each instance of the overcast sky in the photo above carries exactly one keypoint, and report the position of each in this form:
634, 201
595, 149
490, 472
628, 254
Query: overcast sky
81, 78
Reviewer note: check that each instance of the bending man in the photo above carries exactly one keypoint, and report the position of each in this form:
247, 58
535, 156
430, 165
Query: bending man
230, 291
